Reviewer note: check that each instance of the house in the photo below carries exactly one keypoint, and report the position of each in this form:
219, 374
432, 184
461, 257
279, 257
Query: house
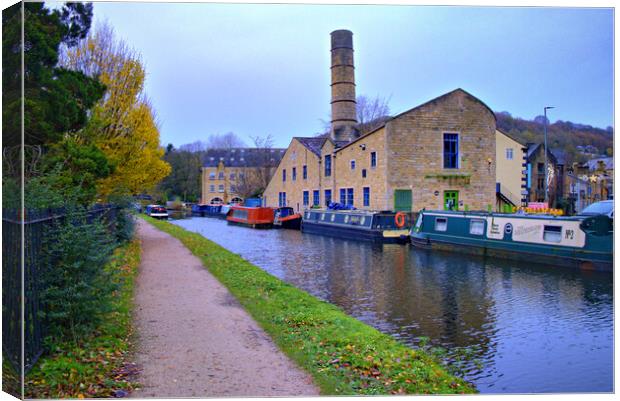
440, 154
232, 174
511, 159
536, 186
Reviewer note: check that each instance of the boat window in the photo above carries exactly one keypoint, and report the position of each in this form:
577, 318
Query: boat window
553, 234
333, 217
476, 227
441, 224
346, 219
363, 221
323, 216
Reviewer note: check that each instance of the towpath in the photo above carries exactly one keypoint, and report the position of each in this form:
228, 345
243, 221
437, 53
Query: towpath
194, 339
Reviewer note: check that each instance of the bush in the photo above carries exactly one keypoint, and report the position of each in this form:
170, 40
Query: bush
76, 289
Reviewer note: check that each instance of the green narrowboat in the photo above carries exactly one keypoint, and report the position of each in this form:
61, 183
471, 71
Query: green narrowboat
579, 241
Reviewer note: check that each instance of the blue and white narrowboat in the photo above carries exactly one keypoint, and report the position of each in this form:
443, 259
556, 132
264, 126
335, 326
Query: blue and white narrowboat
579, 241
156, 211
357, 224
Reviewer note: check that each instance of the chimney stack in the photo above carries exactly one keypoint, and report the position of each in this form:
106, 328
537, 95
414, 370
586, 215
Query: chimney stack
344, 114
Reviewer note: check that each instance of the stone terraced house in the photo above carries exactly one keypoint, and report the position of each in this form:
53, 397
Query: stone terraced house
441, 154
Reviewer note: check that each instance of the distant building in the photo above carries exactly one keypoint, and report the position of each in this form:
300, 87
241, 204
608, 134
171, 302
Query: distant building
589, 182
230, 175
438, 155
536, 174
511, 159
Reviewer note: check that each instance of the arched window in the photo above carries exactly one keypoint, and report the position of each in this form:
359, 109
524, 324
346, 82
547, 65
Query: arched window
216, 201
236, 200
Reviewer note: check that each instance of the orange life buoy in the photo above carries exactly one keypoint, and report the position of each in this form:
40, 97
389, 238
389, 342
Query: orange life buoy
400, 219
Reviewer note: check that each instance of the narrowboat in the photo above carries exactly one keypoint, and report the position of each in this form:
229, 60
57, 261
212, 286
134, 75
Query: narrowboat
385, 226
208, 210
285, 217
224, 211
156, 211
578, 241
255, 217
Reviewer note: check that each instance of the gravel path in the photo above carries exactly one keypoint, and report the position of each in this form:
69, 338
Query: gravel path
194, 339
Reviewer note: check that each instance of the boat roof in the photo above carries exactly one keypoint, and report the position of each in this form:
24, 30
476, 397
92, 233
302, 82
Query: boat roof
509, 215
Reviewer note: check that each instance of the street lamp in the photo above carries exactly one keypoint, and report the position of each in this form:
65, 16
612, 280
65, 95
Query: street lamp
546, 166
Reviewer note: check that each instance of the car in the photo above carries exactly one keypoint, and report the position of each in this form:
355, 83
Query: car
605, 207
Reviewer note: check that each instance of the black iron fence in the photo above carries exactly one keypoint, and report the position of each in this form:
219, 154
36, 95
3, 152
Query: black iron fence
38, 226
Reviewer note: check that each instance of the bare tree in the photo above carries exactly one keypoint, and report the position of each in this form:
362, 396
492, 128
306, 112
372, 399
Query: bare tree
225, 141
261, 166
371, 113
194, 147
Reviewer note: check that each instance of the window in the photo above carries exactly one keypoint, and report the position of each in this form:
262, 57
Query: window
306, 198
352, 164
441, 224
476, 227
232, 176
281, 199
316, 201
328, 166
509, 153
294, 174
241, 176
328, 196
552, 234
304, 172
283, 175
211, 188
363, 173
212, 176
373, 159
366, 196
220, 188
220, 176
541, 168
233, 188
450, 151
541, 183
346, 196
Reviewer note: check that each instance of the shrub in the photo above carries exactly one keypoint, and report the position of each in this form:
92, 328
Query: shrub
76, 289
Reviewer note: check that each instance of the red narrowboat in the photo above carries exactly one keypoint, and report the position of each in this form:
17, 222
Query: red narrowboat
255, 217
285, 217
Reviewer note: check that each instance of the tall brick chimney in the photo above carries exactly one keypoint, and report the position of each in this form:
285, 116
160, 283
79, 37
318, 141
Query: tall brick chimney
344, 115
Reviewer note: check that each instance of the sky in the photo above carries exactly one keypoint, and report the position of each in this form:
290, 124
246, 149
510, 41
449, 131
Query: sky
264, 69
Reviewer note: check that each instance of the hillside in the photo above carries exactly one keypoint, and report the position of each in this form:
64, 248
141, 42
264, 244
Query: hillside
563, 135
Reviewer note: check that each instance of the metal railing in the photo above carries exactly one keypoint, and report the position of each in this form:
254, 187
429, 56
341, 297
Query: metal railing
37, 224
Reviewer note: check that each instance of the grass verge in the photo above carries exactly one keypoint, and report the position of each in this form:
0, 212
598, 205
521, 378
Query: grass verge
97, 366
344, 355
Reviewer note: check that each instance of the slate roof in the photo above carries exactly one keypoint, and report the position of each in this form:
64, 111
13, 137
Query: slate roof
608, 161
242, 157
313, 144
533, 147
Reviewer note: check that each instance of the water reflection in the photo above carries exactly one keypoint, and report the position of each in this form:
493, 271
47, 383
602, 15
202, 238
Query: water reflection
534, 328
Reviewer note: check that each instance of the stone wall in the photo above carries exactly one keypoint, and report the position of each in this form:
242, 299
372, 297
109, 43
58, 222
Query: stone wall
296, 156
415, 152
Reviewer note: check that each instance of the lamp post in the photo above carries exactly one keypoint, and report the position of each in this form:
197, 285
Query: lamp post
546, 166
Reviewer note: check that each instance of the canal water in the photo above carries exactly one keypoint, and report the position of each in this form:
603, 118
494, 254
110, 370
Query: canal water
525, 328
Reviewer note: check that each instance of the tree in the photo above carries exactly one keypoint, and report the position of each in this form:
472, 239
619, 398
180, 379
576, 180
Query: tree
371, 112
123, 123
56, 100
225, 141
184, 178
256, 177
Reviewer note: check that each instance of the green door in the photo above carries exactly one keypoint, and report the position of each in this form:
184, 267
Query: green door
451, 200
402, 200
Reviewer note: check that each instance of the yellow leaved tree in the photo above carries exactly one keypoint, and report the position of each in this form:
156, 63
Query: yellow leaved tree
123, 123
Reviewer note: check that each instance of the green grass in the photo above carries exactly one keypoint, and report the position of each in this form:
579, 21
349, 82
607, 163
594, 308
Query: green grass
344, 355
97, 366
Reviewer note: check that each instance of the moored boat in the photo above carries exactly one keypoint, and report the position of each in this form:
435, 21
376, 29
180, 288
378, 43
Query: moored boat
285, 217
579, 241
255, 217
382, 226
156, 211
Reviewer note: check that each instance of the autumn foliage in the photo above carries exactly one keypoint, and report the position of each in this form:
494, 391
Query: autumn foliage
123, 122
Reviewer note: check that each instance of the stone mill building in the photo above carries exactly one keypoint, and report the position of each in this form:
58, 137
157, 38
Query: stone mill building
440, 154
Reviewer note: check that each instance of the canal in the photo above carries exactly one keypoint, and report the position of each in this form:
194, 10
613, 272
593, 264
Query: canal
525, 328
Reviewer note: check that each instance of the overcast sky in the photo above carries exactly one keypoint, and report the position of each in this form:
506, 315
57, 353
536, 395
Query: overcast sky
264, 69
